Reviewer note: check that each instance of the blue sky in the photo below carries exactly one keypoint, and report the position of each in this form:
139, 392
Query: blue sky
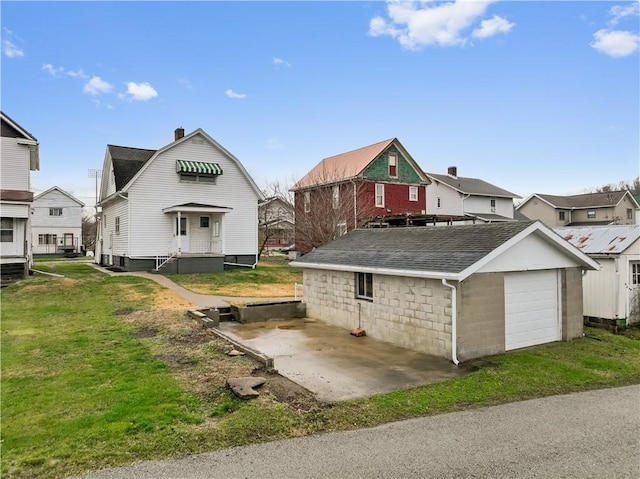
531, 96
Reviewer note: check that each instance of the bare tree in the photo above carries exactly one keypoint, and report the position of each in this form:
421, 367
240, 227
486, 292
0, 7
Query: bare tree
633, 186
275, 216
328, 206
89, 229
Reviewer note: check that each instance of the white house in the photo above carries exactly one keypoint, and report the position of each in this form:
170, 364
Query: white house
19, 156
56, 222
459, 292
468, 200
612, 293
190, 206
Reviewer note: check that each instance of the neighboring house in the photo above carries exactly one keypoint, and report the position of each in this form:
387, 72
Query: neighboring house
347, 191
605, 208
19, 156
56, 223
613, 292
468, 200
188, 207
276, 226
462, 291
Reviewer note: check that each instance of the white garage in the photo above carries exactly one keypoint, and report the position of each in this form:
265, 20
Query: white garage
531, 309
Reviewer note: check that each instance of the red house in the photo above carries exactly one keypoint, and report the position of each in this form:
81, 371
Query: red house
352, 189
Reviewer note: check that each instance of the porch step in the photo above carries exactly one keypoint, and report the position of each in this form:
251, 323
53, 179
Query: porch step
226, 314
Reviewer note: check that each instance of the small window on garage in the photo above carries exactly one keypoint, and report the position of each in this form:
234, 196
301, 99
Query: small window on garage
629, 214
364, 286
204, 222
591, 214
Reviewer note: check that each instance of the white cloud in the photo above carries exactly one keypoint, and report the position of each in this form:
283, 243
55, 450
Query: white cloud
53, 71
139, 92
232, 94
186, 83
416, 25
279, 61
616, 43
96, 86
489, 28
77, 74
10, 49
618, 12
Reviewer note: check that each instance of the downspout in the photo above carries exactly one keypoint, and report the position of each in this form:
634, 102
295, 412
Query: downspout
454, 321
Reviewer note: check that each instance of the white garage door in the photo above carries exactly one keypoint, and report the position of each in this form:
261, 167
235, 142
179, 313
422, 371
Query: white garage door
531, 308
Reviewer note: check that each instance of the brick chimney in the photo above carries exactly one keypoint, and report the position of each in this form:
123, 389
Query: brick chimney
452, 171
179, 133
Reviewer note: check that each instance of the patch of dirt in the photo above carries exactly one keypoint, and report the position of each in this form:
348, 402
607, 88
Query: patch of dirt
145, 332
122, 312
247, 290
287, 392
176, 359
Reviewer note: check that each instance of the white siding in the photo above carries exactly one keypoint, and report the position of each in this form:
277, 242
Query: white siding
15, 166
482, 204
159, 187
71, 211
529, 254
14, 210
17, 246
113, 243
450, 200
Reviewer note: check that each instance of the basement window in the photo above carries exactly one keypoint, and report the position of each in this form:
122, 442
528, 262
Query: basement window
364, 286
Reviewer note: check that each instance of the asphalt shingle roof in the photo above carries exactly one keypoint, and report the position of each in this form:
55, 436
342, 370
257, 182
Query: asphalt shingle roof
445, 249
586, 200
474, 186
127, 162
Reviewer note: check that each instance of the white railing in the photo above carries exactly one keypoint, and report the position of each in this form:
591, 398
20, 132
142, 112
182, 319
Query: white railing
204, 246
163, 259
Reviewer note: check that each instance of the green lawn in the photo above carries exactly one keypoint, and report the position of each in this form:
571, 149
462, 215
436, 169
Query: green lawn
268, 279
82, 391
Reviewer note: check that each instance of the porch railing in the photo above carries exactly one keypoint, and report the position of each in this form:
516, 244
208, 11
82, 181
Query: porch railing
205, 246
163, 259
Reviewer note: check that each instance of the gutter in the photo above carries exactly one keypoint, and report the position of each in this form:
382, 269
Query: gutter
383, 271
454, 321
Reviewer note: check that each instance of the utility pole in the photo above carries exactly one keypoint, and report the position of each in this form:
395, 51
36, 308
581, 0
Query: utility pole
97, 174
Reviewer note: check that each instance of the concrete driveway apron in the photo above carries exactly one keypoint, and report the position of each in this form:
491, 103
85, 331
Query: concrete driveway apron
335, 365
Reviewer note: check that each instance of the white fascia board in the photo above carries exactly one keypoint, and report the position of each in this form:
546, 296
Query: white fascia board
384, 271
24, 141
547, 235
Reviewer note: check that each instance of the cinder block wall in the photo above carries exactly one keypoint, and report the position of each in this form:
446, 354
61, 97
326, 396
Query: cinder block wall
481, 316
412, 313
572, 312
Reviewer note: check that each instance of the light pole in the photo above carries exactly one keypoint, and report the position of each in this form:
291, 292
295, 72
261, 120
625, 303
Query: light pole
93, 173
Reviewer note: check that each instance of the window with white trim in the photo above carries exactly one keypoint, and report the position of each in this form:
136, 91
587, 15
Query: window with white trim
190, 178
47, 239
6, 230
55, 211
393, 165
379, 195
635, 273
307, 201
492, 202
413, 193
561, 216
335, 197
591, 214
117, 225
364, 286
204, 222
629, 214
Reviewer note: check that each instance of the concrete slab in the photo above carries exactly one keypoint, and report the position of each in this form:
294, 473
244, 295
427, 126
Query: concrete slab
335, 365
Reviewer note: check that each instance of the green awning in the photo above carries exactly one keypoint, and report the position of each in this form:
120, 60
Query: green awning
198, 168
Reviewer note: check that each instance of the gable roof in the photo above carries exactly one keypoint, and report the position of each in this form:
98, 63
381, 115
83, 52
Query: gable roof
69, 195
11, 129
610, 239
351, 164
453, 252
133, 161
586, 200
127, 162
472, 186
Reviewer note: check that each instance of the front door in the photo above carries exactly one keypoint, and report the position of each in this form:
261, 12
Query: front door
68, 239
181, 235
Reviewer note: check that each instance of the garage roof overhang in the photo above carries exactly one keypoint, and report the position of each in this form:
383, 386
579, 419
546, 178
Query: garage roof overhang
386, 271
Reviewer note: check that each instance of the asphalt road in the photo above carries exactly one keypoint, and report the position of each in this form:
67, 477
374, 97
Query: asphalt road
594, 434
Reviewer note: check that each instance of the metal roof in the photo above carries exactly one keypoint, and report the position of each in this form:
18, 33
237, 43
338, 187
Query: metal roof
609, 239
